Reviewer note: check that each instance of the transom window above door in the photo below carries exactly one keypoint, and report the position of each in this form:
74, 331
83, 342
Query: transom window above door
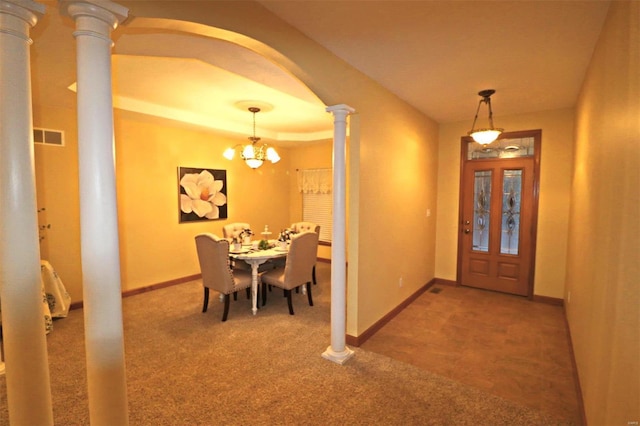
502, 148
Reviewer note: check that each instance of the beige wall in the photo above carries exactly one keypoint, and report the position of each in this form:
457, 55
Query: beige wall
555, 189
57, 189
154, 246
604, 233
395, 250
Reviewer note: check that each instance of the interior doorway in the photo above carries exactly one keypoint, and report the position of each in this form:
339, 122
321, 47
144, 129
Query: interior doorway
498, 213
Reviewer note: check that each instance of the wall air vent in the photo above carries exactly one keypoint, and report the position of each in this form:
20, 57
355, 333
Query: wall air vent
48, 137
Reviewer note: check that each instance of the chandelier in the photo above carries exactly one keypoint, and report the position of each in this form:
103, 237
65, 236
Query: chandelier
254, 154
487, 135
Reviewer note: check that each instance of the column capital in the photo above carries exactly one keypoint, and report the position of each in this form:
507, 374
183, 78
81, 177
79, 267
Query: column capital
27, 10
106, 11
340, 109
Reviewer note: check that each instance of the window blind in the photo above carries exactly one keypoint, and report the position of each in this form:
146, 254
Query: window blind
318, 208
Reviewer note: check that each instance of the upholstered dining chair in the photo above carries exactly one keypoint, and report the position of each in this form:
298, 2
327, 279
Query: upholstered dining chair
213, 256
297, 270
233, 230
298, 227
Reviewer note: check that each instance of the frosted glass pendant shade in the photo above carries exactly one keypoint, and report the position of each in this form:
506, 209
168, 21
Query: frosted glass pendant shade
485, 136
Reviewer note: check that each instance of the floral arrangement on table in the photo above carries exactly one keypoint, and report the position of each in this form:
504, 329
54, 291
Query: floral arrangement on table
264, 245
242, 235
245, 233
285, 235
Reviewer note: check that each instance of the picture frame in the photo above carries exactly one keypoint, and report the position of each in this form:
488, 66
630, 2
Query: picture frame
202, 194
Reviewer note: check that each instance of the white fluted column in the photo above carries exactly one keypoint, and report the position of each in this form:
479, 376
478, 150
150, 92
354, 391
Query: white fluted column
338, 352
102, 301
25, 346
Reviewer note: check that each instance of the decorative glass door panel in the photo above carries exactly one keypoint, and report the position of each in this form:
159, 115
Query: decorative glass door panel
482, 211
511, 199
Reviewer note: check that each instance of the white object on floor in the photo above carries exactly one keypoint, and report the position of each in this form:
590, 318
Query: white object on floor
57, 296
55, 299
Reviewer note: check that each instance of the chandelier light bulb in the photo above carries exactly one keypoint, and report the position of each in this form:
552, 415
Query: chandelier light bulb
248, 152
272, 155
229, 153
253, 163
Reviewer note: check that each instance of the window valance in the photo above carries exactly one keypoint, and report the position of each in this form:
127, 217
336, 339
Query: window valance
315, 181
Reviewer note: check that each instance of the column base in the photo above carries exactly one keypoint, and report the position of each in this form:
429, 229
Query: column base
338, 357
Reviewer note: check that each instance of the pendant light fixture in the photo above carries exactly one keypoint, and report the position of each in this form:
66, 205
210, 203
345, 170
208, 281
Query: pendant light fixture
485, 136
254, 154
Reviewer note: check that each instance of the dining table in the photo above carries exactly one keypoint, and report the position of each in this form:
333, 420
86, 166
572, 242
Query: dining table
255, 257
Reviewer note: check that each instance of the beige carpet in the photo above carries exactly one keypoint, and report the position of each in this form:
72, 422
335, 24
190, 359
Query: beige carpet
188, 368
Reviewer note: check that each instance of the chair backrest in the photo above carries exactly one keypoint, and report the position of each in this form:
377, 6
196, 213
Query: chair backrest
213, 256
299, 227
233, 230
302, 256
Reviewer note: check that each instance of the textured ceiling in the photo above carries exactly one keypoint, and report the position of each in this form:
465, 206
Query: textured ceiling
437, 55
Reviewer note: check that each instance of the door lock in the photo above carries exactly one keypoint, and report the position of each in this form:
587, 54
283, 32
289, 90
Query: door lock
466, 231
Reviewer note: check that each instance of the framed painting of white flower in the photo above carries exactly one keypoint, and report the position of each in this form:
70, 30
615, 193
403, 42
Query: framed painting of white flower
202, 194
